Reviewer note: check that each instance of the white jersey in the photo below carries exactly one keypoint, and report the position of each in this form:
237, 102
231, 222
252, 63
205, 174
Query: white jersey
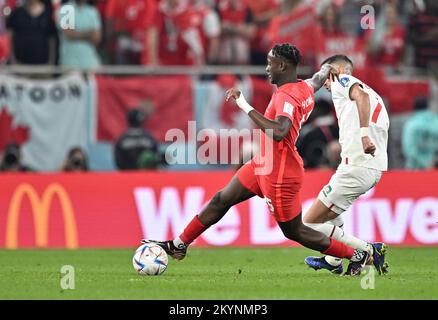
349, 125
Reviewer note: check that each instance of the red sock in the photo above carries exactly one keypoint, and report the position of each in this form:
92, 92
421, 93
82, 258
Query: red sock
339, 249
193, 230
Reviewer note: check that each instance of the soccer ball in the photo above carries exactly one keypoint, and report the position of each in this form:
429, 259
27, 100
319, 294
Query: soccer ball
150, 259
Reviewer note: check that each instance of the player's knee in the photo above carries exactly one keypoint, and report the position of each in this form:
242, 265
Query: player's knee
307, 219
314, 226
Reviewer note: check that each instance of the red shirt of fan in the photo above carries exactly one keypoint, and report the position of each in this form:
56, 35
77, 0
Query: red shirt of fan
172, 23
130, 15
392, 46
296, 27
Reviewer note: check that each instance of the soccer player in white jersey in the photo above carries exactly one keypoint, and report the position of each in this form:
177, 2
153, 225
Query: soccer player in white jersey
363, 135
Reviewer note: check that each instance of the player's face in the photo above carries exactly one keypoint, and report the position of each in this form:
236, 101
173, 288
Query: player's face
273, 68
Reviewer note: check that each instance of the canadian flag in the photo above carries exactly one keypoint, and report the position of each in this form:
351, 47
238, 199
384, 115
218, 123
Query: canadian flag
47, 117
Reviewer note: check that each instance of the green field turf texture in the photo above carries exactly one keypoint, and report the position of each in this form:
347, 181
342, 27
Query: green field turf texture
211, 273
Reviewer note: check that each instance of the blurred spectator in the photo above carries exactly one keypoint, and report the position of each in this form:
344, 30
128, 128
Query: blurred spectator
329, 19
136, 148
386, 42
329, 38
32, 34
295, 24
11, 161
423, 32
320, 130
6, 7
174, 38
420, 136
76, 160
263, 11
209, 27
127, 23
238, 28
78, 43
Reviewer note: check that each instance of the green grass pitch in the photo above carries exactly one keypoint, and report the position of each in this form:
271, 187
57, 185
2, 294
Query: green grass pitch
211, 273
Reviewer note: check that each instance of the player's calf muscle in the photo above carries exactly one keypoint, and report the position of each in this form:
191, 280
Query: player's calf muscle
215, 210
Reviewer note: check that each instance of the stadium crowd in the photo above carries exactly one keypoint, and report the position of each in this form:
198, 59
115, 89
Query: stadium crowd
396, 38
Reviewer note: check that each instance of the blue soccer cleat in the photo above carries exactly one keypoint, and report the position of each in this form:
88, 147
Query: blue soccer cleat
318, 263
379, 251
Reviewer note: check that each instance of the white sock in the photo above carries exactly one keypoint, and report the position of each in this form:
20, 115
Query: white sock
333, 261
330, 259
338, 234
177, 242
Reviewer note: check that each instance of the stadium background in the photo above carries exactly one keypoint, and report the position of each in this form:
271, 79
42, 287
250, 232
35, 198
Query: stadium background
47, 109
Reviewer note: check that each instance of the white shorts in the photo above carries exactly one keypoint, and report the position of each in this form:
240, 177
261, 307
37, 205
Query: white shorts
346, 185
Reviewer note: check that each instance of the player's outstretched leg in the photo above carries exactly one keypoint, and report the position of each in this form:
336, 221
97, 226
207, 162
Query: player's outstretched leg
330, 263
218, 206
315, 240
324, 220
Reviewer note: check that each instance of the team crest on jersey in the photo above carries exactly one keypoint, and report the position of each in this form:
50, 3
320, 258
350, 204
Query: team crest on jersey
344, 81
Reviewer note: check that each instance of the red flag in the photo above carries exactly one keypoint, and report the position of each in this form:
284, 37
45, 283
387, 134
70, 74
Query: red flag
170, 98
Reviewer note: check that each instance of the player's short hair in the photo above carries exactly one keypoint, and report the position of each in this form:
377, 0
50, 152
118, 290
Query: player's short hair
336, 58
288, 52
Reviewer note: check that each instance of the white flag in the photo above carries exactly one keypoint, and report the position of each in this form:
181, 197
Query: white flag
53, 111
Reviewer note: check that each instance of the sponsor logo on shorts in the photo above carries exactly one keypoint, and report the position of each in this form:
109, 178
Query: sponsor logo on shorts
327, 189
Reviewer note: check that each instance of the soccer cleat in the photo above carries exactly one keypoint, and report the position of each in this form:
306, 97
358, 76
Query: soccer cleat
379, 251
318, 263
355, 267
170, 248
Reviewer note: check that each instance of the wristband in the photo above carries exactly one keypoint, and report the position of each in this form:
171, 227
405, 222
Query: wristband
245, 106
364, 132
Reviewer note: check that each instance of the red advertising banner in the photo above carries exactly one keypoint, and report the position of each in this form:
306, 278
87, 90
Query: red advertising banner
117, 210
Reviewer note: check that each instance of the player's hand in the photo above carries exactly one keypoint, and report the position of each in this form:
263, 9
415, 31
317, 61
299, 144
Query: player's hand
232, 93
333, 73
368, 146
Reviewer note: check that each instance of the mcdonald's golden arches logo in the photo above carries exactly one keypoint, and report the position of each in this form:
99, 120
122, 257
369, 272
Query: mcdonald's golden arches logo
41, 210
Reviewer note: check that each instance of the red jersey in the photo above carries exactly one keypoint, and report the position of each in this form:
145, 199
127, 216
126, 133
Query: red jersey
260, 42
391, 46
130, 15
294, 101
296, 27
207, 22
173, 23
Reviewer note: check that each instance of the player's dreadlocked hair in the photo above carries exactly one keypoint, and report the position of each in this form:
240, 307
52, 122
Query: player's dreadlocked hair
287, 51
337, 57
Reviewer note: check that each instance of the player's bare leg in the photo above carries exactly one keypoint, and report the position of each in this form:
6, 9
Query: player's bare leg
323, 219
319, 214
218, 206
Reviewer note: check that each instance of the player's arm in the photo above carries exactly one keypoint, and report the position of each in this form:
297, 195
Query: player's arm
279, 127
319, 78
362, 100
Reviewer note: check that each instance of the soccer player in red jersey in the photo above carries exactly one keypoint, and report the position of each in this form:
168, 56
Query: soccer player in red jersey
276, 174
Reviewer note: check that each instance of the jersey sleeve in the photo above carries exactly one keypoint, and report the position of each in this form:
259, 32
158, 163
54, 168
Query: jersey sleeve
343, 87
285, 106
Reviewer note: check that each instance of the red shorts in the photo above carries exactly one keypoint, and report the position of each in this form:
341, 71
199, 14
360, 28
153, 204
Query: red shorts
283, 199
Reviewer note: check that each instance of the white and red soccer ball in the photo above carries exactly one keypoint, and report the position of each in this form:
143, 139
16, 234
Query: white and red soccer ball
150, 259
